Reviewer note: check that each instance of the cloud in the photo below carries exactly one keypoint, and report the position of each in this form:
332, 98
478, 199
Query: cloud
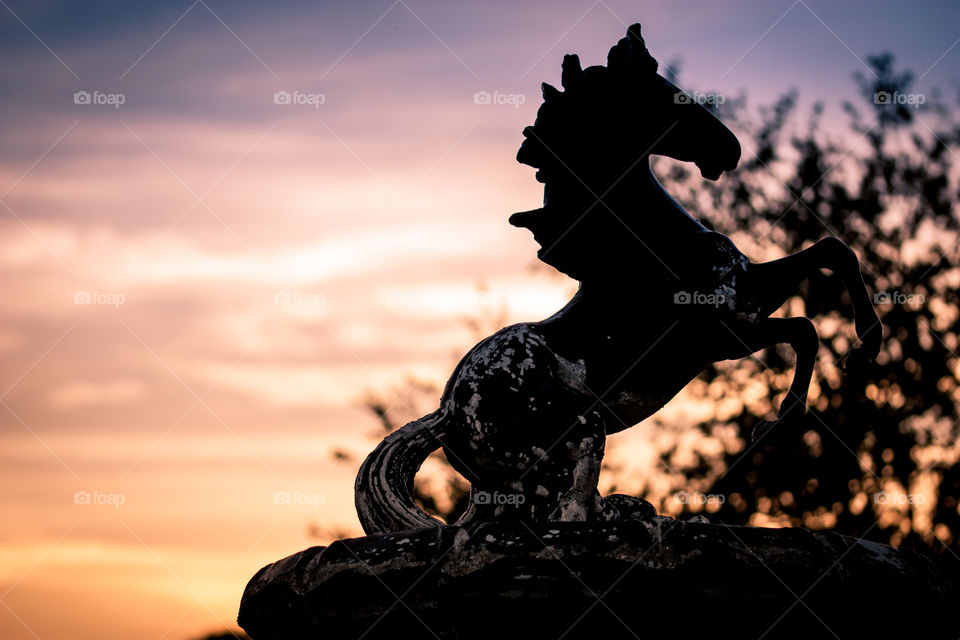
80, 393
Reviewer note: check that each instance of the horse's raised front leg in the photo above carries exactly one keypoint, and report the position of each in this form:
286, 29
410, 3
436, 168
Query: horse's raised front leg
801, 335
772, 283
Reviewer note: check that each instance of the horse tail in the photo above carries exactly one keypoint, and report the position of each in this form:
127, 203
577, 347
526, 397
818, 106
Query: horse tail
384, 486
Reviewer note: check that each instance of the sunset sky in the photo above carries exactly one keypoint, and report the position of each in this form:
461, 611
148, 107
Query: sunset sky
199, 285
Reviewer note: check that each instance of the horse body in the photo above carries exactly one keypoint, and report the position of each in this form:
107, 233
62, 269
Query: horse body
526, 412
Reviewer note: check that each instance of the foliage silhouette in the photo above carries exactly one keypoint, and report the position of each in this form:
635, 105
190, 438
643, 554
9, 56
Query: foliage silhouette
879, 465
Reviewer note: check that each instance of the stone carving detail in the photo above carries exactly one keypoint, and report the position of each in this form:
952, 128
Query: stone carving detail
526, 412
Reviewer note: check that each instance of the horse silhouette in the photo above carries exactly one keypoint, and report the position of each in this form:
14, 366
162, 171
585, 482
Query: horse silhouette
525, 414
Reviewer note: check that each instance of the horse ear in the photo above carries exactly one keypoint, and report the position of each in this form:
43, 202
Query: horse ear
571, 71
618, 54
638, 58
549, 91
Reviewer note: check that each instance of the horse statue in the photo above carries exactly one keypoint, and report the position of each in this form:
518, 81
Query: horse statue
525, 414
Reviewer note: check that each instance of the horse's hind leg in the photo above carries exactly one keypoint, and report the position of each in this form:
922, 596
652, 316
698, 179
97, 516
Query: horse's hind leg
772, 283
801, 335
580, 501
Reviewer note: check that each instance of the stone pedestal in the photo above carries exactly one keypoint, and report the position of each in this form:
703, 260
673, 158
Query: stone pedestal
634, 579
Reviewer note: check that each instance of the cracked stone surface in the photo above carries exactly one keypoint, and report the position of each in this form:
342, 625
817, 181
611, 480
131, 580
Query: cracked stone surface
587, 580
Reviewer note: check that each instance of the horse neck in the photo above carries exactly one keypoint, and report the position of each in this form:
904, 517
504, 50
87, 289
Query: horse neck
663, 217
661, 224
600, 306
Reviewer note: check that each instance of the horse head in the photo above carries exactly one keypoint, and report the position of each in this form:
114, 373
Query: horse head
591, 144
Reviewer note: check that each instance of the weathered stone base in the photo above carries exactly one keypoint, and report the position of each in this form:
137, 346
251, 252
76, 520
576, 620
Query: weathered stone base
596, 581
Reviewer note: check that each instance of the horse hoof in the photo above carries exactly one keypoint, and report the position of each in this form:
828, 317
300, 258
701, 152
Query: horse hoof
761, 429
871, 341
857, 364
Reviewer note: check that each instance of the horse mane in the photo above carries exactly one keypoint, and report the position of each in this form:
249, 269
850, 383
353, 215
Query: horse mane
586, 139
587, 129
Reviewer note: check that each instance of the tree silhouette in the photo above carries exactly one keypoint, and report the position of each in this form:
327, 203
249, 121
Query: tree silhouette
877, 456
